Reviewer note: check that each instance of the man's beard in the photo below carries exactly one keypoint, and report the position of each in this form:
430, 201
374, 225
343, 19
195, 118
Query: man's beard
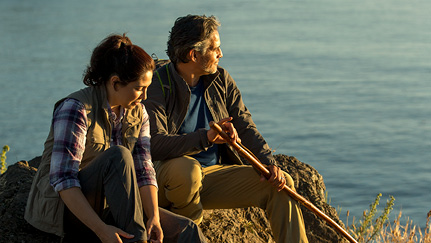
208, 68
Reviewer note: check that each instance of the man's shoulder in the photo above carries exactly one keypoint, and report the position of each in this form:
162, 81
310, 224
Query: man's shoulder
221, 70
161, 68
161, 62
221, 73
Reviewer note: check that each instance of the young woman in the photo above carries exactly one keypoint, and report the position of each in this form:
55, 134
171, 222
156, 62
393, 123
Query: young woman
96, 177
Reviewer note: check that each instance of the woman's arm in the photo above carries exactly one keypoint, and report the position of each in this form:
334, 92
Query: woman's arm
146, 179
151, 209
70, 129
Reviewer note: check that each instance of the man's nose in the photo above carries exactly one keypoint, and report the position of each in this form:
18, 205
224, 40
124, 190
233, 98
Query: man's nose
220, 55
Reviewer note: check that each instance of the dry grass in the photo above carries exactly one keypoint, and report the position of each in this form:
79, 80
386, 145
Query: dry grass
396, 232
378, 229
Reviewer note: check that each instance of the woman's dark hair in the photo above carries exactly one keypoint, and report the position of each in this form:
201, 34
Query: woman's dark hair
116, 55
190, 32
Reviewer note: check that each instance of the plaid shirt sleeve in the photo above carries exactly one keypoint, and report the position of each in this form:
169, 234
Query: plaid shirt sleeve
145, 172
69, 125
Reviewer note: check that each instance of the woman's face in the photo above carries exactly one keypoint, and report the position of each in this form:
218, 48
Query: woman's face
133, 93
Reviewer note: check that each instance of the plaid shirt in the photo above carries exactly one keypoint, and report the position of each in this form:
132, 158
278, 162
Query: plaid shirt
70, 129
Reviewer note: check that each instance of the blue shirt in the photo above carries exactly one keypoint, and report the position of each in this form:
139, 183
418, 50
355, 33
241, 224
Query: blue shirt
199, 116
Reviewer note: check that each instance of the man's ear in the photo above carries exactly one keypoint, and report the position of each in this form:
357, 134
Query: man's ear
193, 55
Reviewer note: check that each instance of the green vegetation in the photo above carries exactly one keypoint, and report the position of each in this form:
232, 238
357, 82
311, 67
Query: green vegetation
369, 226
3, 167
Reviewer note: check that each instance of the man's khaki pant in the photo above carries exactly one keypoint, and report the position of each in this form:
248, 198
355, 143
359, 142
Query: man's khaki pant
186, 188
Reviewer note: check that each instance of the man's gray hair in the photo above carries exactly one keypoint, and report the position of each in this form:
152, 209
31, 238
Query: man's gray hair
190, 32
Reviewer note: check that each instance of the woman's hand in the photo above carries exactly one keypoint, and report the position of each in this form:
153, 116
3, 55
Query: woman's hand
111, 234
154, 230
79, 206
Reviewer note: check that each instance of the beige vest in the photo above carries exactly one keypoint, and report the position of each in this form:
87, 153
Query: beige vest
45, 208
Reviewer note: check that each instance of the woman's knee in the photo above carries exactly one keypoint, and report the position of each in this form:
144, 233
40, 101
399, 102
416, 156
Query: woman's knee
120, 153
118, 157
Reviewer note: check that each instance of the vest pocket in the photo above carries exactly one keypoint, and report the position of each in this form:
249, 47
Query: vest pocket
45, 188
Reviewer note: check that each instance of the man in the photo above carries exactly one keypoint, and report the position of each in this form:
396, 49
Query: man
195, 168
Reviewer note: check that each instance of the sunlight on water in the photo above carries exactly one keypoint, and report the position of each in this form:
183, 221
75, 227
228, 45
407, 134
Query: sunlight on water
342, 86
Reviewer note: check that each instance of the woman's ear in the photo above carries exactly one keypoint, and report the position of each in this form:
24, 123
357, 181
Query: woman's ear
113, 81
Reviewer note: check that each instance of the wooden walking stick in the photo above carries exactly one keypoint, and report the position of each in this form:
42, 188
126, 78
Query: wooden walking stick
254, 161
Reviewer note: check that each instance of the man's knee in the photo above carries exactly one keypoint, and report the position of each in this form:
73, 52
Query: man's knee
183, 173
191, 173
289, 181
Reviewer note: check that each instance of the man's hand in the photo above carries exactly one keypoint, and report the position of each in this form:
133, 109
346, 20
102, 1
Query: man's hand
214, 137
277, 178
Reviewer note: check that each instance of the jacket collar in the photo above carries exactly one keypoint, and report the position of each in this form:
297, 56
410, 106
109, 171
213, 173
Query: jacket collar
207, 79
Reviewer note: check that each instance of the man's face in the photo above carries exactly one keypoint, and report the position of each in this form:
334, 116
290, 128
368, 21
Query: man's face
209, 60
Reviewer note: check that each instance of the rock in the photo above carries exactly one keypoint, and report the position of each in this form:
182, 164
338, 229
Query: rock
223, 225
250, 225
14, 188
309, 184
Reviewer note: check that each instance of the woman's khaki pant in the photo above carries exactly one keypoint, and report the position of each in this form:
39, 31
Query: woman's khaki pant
186, 188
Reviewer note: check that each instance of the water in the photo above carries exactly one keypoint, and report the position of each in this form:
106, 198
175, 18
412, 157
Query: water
341, 85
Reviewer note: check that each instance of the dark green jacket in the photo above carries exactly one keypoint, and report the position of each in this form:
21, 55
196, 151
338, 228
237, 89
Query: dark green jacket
167, 106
